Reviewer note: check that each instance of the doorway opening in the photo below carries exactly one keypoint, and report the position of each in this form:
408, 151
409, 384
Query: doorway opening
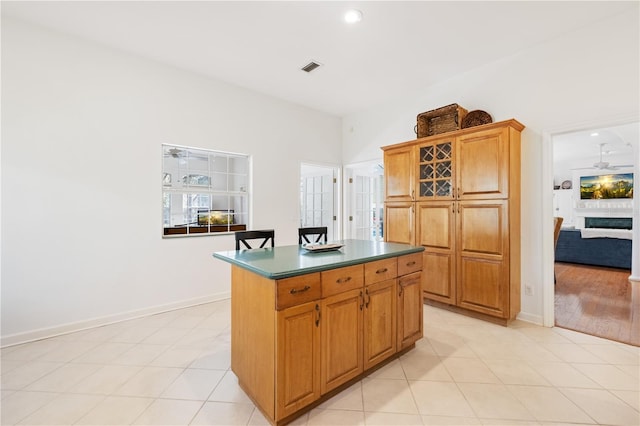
593, 174
319, 197
364, 201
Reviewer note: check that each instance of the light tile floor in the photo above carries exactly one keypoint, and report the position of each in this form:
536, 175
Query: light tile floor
174, 368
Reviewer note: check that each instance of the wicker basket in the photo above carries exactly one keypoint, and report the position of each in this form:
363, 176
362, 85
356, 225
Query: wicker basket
476, 118
441, 120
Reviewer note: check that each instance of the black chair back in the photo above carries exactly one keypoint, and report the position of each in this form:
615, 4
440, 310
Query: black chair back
319, 231
266, 235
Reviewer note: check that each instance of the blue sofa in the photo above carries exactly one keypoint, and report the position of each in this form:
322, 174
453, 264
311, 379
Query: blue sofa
609, 252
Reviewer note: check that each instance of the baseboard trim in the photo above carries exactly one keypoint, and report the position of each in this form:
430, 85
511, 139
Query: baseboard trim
45, 333
534, 319
466, 312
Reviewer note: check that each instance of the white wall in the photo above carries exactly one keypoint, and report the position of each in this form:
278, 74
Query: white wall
586, 76
82, 127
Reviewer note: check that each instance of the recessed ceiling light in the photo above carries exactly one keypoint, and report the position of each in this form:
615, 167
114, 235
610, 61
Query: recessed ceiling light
352, 16
595, 134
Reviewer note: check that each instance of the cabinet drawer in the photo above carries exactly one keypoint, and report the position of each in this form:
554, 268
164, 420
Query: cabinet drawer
380, 270
297, 290
409, 263
338, 280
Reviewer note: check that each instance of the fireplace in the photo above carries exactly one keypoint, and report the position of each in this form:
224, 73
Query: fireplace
608, 222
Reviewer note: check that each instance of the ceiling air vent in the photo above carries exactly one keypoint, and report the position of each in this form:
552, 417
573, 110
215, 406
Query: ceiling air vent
310, 66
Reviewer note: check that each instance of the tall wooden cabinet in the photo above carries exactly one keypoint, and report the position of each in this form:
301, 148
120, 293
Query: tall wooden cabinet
466, 213
400, 194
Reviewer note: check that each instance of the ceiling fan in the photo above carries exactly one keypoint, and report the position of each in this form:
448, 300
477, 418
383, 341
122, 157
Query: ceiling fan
604, 165
174, 152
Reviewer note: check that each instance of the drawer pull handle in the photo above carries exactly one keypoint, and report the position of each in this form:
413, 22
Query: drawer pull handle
318, 317
411, 263
295, 290
343, 280
381, 271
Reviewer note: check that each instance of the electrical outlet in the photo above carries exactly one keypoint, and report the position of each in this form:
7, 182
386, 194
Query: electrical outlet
528, 290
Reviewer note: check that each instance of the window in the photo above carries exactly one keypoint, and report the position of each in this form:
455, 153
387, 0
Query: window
203, 191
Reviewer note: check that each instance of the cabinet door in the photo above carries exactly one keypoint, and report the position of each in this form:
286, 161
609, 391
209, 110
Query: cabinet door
483, 264
398, 223
341, 338
379, 322
483, 165
436, 163
410, 309
563, 205
435, 231
398, 174
298, 365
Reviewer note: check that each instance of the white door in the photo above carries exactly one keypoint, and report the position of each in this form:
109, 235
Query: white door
563, 205
318, 195
364, 201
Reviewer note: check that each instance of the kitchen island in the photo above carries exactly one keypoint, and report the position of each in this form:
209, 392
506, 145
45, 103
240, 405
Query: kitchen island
306, 325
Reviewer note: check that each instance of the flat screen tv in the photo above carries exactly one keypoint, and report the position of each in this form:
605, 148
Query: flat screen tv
606, 186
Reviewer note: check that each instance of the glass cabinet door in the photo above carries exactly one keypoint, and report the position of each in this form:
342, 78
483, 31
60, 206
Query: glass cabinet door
435, 174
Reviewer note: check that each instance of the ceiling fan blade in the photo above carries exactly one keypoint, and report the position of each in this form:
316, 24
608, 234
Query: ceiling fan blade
616, 166
174, 152
611, 167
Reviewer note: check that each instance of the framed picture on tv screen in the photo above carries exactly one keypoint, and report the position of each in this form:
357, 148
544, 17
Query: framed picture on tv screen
606, 186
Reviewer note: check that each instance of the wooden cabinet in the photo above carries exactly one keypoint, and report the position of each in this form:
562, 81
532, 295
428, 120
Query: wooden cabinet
379, 322
296, 340
398, 222
488, 163
380, 310
436, 163
436, 231
464, 166
341, 343
410, 325
298, 366
398, 177
482, 257
467, 217
409, 304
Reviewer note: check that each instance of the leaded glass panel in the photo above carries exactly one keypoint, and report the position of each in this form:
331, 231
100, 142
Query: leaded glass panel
426, 154
426, 189
443, 151
443, 188
426, 171
443, 170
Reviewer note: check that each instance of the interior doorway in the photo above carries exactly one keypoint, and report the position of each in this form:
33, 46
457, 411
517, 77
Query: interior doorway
319, 198
574, 156
364, 201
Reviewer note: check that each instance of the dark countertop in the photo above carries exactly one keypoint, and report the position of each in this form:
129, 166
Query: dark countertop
289, 261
